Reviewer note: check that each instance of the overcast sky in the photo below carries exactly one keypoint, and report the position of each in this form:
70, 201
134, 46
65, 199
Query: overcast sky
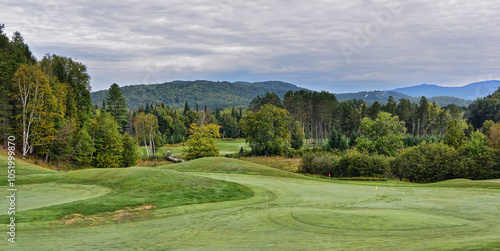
338, 46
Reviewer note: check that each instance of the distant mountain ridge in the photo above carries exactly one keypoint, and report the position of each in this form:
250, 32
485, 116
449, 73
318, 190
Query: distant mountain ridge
382, 96
224, 94
203, 92
468, 92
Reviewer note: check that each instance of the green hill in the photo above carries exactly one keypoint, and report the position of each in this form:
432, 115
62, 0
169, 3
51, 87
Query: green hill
204, 92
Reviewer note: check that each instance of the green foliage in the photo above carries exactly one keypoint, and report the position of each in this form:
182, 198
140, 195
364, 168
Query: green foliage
267, 130
409, 141
130, 153
83, 149
454, 136
107, 160
68, 71
485, 129
494, 136
337, 141
270, 98
202, 142
108, 141
483, 109
229, 126
382, 136
297, 136
427, 162
351, 163
116, 106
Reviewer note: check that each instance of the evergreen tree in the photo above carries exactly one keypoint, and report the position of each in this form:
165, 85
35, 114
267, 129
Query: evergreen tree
217, 114
186, 108
117, 106
391, 106
297, 136
130, 151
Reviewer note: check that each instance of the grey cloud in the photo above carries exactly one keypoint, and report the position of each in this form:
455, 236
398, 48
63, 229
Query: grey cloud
133, 42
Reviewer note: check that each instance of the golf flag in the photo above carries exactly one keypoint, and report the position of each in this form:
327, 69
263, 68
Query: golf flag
328, 175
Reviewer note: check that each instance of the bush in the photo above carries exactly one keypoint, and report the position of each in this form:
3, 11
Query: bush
106, 160
427, 162
481, 165
352, 163
356, 164
130, 153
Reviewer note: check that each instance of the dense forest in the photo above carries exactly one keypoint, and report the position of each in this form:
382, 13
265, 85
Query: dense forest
47, 106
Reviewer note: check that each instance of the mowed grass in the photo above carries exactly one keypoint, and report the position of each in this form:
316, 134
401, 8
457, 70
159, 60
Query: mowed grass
277, 210
45, 197
226, 146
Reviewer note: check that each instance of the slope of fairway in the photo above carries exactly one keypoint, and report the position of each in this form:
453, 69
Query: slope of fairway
227, 204
22, 168
46, 197
228, 165
290, 214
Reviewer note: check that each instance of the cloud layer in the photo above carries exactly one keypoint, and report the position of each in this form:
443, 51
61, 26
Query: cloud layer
338, 46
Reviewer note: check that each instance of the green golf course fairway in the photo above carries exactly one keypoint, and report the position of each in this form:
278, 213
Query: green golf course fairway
243, 206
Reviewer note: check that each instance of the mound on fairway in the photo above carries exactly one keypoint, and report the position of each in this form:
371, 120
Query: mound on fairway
228, 165
47, 196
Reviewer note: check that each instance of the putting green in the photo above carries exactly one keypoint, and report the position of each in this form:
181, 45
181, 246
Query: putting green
374, 219
49, 194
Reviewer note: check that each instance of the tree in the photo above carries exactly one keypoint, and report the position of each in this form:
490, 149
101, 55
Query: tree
494, 137
391, 106
382, 136
455, 135
202, 142
270, 98
108, 142
297, 135
186, 108
374, 110
477, 143
35, 101
337, 141
130, 153
229, 126
79, 103
483, 109
485, 129
146, 126
116, 106
267, 130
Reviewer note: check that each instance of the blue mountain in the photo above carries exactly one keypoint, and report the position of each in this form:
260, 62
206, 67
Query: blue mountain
470, 91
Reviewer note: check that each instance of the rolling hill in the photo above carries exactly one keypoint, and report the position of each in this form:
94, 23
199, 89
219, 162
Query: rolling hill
470, 91
224, 94
204, 92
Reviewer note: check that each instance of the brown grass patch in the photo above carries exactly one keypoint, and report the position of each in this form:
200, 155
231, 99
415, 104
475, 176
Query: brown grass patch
278, 162
118, 216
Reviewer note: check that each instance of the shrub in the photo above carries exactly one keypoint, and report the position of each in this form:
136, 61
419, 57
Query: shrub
352, 163
357, 164
427, 162
106, 160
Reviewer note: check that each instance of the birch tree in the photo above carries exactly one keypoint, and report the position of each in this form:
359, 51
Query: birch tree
35, 102
146, 126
